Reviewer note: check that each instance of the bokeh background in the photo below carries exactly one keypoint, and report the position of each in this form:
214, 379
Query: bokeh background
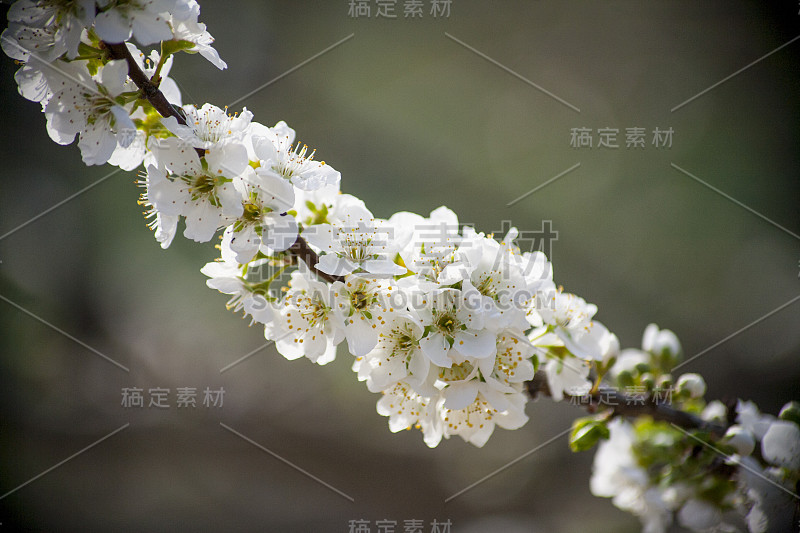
413, 120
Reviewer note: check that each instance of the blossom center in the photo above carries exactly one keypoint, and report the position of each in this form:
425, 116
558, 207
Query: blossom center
312, 309
486, 286
204, 186
359, 300
213, 125
294, 162
403, 338
447, 323
356, 245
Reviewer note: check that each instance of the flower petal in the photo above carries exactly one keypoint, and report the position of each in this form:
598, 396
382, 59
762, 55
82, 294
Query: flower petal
361, 336
112, 27
461, 395
435, 347
476, 344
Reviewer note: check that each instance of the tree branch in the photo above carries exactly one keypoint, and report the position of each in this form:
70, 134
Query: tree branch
149, 89
625, 405
302, 250
153, 94
621, 404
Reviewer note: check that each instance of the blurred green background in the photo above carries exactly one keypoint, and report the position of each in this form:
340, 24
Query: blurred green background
413, 120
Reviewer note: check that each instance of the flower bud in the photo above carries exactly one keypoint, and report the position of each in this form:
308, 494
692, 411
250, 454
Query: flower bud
664, 382
624, 379
663, 344
693, 384
741, 440
781, 445
791, 412
715, 411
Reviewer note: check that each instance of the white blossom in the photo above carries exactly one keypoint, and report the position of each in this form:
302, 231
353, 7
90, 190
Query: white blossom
567, 375
131, 156
310, 322
495, 272
38, 79
48, 28
357, 242
363, 301
145, 20
781, 444
513, 363
321, 205
593, 341
396, 356
165, 226
205, 196
456, 327
281, 158
476, 422
406, 409
616, 474
210, 126
227, 277
186, 28
657, 341
715, 411
263, 224
771, 505
81, 105
751, 419
427, 245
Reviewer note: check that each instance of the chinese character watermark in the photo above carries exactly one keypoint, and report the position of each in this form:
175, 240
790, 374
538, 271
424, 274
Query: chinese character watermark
388, 9
540, 240
412, 525
159, 397
607, 138
633, 395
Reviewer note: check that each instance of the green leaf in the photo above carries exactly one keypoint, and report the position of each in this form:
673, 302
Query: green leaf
93, 66
170, 47
86, 52
586, 433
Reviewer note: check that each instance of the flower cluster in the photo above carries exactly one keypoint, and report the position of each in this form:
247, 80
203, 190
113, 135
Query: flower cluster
662, 473
66, 68
447, 324
746, 480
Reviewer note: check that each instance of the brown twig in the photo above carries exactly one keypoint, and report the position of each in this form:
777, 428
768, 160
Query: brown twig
150, 90
302, 250
627, 405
